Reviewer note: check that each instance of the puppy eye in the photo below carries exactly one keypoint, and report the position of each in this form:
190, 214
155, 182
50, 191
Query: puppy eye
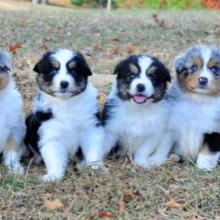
132, 76
194, 67
55, 65
71, 64
214, 70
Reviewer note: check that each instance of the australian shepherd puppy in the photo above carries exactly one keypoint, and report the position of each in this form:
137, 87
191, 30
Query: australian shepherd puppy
136, 111
12, 126
65, 113
195, 114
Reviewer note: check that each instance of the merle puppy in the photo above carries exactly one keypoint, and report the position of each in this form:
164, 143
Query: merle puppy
12, 126
195, 114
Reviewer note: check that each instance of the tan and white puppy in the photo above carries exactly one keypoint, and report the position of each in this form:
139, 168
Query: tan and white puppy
12, 126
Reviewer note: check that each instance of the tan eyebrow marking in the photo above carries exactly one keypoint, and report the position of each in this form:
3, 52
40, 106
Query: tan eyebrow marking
133, 68
212, 63
72, 64
55, 64
151, 70
198, 61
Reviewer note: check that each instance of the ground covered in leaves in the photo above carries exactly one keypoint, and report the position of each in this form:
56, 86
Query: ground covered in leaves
173, 191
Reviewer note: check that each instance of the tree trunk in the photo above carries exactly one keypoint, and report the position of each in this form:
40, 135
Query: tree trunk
45, 2
35, 1
109, 5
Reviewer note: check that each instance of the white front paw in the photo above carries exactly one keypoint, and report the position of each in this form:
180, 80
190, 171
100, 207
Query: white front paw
206, 163
81, 165
142, 162
16, 168
94, 166
156, 161
51, 178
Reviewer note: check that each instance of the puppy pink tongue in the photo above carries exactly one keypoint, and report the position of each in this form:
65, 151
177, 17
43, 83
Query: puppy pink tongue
139, 98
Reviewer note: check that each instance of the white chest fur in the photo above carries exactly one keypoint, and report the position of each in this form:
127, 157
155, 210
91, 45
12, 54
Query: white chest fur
191, 117
71, 116
11, 106
136, 124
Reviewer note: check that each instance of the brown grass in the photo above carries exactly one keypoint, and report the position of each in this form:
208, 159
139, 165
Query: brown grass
128, 192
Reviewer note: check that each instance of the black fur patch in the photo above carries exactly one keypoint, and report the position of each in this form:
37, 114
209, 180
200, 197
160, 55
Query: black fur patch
98, 118
159, 79
108, 111
212, 141
44, 67
33, 123
125, 76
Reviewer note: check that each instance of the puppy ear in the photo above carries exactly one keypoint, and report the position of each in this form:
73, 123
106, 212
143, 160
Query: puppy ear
82, 66
179, 64
119, 67
162, 69
166, 74
36, 67
5, 60
42, 62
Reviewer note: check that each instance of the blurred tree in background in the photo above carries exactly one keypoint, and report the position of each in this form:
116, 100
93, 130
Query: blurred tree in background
150, 4
40, 2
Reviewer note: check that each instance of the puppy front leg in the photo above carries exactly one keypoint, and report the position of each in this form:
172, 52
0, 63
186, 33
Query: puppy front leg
209, 155
143, 152
92, 143
207, 160
162, 150
12, 155
54, 155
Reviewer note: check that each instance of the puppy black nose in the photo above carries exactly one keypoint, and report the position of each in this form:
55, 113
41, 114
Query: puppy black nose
64, 84
140, 87
203, 81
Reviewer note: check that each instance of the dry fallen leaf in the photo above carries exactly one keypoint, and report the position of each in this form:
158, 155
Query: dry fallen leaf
14, 47
121, 206
97, 47
105, 214
116, 51
116, 39
127, 197
44, 46
172, 204
131, 49
54, 204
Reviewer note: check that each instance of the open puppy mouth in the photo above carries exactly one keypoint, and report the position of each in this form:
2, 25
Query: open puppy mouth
139, 98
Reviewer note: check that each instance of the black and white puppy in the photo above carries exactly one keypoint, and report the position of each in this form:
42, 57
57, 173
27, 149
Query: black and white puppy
136, 111
195, 114
64, 115
12, 126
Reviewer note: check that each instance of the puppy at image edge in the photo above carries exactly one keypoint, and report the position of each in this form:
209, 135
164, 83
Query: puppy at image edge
12, 126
